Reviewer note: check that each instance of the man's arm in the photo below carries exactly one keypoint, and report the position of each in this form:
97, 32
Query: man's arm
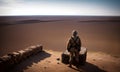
68, 46
79, 44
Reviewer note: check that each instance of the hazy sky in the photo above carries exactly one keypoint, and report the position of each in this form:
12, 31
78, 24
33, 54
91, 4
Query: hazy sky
60, 7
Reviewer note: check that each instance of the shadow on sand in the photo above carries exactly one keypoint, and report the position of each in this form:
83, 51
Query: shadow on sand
91, 68
30, 61
88, 67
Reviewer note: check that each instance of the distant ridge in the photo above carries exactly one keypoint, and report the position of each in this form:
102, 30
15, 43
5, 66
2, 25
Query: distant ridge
34, 21
26, 22
100, 21
14, 20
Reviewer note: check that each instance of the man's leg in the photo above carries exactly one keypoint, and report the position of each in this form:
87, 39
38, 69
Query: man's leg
71, 59
77, 57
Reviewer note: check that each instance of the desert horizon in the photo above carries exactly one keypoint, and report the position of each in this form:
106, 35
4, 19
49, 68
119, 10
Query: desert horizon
34, 35
97, 33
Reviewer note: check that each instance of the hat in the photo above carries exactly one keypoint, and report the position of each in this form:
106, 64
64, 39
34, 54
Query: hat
74, 32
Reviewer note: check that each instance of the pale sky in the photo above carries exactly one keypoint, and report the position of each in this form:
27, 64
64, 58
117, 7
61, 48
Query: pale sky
60, 7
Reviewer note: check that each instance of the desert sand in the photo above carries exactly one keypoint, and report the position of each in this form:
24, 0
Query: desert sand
47, 62
100, 35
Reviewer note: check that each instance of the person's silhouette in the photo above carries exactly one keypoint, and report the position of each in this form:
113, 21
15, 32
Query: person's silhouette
74, 47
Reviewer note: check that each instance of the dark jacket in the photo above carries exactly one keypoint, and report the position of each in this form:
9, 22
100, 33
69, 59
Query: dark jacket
74, 43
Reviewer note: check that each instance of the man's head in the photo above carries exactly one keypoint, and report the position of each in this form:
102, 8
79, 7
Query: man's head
74, 33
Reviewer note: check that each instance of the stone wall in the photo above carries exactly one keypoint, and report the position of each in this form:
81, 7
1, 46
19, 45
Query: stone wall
9, 60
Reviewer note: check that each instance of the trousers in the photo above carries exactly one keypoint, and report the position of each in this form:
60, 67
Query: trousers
73, 52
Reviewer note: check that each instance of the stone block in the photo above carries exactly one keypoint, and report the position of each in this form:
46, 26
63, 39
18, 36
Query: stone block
82, 57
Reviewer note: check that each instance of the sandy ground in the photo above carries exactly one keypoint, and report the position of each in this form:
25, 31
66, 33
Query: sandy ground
47, 62
101, 37
96, 36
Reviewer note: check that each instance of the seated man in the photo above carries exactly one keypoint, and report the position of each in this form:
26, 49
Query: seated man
74, 47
